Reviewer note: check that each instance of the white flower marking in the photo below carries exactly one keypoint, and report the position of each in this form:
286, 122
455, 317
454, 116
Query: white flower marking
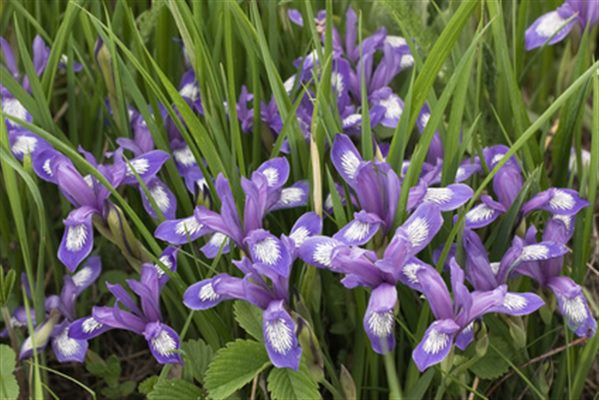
207, 293
323, 252
534, 252
417, 231
267, 251
352, 120
550, 24
279, 335
81, 277
407, 60
47, 167
289, 84
76, 237
140, 166
410, 270
562, 200
350, 163
514, 302
381, 324
160, 197
435, 342
395, 41
424, 119
188, 226
164, 343
480, 213
566, 219
358, 230
166, 260
393, 108
291, 195
67, 346
191, 91
438, 195
14, 108
184, 156
299, 235
90, 325
24, 145
496, 158
574, 309
337, 82
272, 176
495, 267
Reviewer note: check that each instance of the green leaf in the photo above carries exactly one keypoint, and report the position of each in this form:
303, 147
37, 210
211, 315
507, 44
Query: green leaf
147, 385
109, 370
197, 355
287, 384
9, 389
492, 365
249, 317
234, 366
175, 389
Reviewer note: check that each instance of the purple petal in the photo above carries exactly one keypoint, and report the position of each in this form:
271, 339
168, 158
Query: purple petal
279, 337
360, 230
214, 245
78, 238
346, 158
465, 337
318, 251
480, 272
23, 143
87, 274
276, 172
435, 344
482, 303
66, 348
88, 327
573, 306
550, 25
146, 166
421, 227
181, 231
484, 213
9, 57
75, 188
268, 250
163, 197
295, 16
379, 319
519, 304
123, 297
308, 225
507, 185
46, 162
210, 292
148, 291
358, 266
293, 196
169, 260
163, 342
449, 198
408, 273
391, 103
559, 229
466, 170
435, 291
556, 201
41, 53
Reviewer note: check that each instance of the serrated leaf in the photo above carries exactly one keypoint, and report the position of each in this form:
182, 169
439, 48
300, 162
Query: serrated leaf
492, 365
9, 389
109, 370
234, 366
287, 384
249, 317
175, 389
197, 355
147, 385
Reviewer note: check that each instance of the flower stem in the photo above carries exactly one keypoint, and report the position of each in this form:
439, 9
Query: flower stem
394, 388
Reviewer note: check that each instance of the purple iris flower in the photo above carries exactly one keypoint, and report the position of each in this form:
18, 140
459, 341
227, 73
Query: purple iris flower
363, 268
189, 89
507, 183
147, 162
60, 313
454, 318
570, 299
264, 192
144, 318
553, 26
265, 284
87, 194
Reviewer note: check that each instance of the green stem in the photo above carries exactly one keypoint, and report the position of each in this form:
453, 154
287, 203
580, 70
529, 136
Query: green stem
394, 388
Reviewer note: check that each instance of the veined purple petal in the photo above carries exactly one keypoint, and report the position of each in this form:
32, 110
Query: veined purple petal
214, 245
466, 170
23, 143
210, 292
407, 273
77, 190
449, 198
148, 291
163, 197
318, 251
519, 304
462, 299
436, 343
435, 291
360, 230
78, 237
557, 201
293, 196
465, 337
123, 297
482, 303
9, 57
379, 319
267, 249
391, 103
41, 53
573, 306
181, 231
276, 172
308, 225
507, 185
46, 162
481, 273
279, 337
358, 265
89, 327
484, 213
87, 274
228, 210
146, 166
66, 348
256, 201
421, 227
346, 158
163, 342
559, 229
551, 25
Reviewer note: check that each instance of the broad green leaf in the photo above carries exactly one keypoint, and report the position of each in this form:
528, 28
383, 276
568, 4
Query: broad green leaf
234, 366
197, 355
9, 389
175, 389
287, 384
249, 317
492, 365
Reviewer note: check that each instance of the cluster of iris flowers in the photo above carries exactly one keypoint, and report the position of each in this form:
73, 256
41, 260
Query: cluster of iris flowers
369, 251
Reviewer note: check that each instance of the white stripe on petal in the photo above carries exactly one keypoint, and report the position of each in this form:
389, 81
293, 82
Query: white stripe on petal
392, 107
67, 345
272, 176
435, 342
140, 165
514, 302
495, 267
350, 163
184, 156
479, 213
207, 293
562, 200
166, 260
410, 270
291, 195
299, 235
76, 237
164, 343
188, 226
47, 167
267, 251
358, 230
395, 41
24, 145
381, 324
418, 231
160, 197
323, 252
191, 91
534, 252
279, 336
90, 325
81, 277
574, 309
14, 108
438, 195
550, 24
